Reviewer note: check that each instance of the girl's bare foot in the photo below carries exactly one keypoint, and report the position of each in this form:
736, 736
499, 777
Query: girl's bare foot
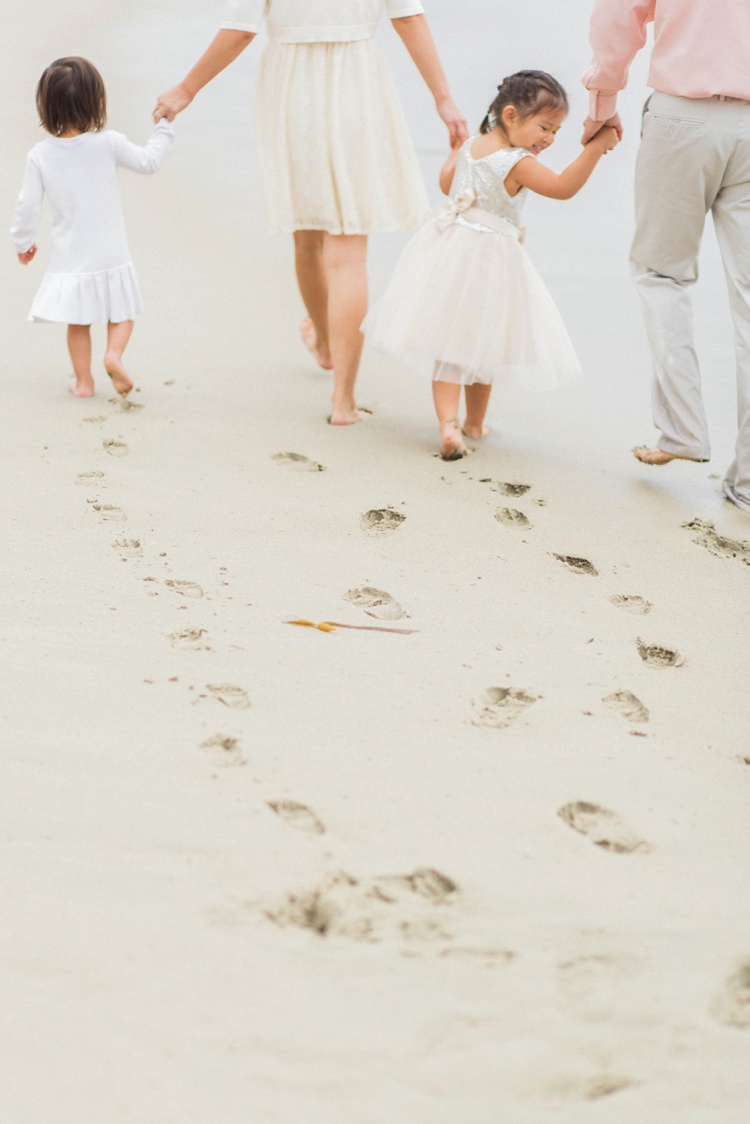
453, 447
310, 340
121, 380
81, 388
347, 417
475, 431
658, 457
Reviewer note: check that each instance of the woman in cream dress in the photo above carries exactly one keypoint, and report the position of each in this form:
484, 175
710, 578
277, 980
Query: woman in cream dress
337, 163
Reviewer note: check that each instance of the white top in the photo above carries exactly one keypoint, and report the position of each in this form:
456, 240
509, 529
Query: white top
79, 177
315, 21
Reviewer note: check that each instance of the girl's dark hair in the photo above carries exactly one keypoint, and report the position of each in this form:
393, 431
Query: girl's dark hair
71, 95
529, 91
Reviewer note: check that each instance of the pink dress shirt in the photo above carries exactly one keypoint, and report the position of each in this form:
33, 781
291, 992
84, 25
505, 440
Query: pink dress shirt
700, 49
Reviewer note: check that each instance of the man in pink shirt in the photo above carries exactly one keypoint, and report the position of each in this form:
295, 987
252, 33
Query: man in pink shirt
694, 158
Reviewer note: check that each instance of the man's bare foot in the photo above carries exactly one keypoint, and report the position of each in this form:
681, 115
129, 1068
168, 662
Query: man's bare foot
453, 447
475, 431
81, 389
658, 457
121, 380
348, 417
310, 340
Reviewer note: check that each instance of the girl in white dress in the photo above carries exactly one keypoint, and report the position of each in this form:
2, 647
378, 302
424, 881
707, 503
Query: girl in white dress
337, 163
90, 277
464, 294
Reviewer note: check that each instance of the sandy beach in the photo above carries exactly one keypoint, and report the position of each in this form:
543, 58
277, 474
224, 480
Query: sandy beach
482, 861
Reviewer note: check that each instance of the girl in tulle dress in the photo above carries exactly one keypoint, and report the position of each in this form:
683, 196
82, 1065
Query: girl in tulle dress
464, 293
90, 277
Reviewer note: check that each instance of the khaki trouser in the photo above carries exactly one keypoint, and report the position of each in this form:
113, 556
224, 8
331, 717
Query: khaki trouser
694, 158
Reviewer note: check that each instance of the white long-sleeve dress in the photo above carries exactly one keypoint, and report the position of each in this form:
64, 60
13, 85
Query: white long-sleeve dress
90, 277
335, 151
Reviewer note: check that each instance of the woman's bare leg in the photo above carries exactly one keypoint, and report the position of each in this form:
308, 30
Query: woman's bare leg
345, 258
117, 340
313, 287
477, 401
79, 346
447, 396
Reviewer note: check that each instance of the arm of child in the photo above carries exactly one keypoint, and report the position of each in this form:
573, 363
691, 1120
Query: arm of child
28, 212
564, 185
448, 169
147, 159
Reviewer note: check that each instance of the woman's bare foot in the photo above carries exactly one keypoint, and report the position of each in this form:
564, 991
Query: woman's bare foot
348, 417
453, 447
82, 388
658, 457
121, 380
475, 431
310, 339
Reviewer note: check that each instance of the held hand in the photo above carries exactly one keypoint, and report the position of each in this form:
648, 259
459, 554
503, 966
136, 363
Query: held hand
454, 120
171, 103
605, 140
28, 255
591, 128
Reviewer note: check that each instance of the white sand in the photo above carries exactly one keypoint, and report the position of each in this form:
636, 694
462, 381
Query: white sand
141, 974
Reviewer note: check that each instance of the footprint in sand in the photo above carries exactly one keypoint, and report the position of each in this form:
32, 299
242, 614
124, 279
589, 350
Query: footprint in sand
185, 589
402, 907
128, 548
655, 656
297, 462
114, 447
380, 521
631, 603
577, 565
190, 640
94, 419
589, 985
126, 404
298, 816
226, 749
110, 512
504, 488
626, 704
229, 695
510, 517
376, 603
94, 477
602, 827
732, 1005
498, 707
580, 1087
723, 547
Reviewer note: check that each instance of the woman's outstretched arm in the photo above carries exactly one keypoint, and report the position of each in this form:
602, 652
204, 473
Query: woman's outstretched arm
226, 46
417, 38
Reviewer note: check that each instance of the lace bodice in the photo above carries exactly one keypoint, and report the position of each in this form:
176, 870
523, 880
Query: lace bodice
486, 177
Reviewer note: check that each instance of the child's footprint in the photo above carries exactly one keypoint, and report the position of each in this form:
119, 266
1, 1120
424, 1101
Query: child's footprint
376, 603
498, 707
94, 477
297, 462
189, 640
655, 656
110, 512
631, 603
114, 447
381, 521
628, 705
602, 827
511, 517
298, 816
577, 565
732, 1005
229, 695
226, 748
186, 589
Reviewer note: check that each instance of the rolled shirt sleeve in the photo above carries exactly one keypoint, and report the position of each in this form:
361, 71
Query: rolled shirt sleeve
29, 207
243, 15
617, 33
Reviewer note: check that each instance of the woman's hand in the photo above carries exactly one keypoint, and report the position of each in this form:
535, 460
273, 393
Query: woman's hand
172, 102
453, 119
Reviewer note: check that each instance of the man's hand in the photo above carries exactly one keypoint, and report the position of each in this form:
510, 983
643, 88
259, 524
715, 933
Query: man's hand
591, 128
27, 255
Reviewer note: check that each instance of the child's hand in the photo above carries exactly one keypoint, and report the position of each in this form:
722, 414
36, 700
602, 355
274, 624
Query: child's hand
28, 255
605, 140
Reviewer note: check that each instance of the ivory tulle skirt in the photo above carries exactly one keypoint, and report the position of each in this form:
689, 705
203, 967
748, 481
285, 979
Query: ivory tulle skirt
470, 303
335, 151
88, 298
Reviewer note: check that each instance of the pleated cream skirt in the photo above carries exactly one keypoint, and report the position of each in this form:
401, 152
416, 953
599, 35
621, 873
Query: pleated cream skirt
88, 298
335, 152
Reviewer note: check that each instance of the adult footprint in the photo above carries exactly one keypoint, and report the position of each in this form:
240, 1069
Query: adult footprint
229, 695
186, 589
225, 747
602, 827
628, 705
510, 517
298, 816
190, 640
498, 707
115, 448
425, 881
505, 488
381, 521
655, 656
297, 462
110, 512
376, 603
577, 565
127, 547
732, 1004
709, 538
631, 603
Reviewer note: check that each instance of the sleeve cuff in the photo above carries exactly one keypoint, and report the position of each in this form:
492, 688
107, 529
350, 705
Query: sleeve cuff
602, 105
254, 28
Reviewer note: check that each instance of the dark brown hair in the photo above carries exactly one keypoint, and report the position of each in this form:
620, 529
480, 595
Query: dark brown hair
529, 91
71, 95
